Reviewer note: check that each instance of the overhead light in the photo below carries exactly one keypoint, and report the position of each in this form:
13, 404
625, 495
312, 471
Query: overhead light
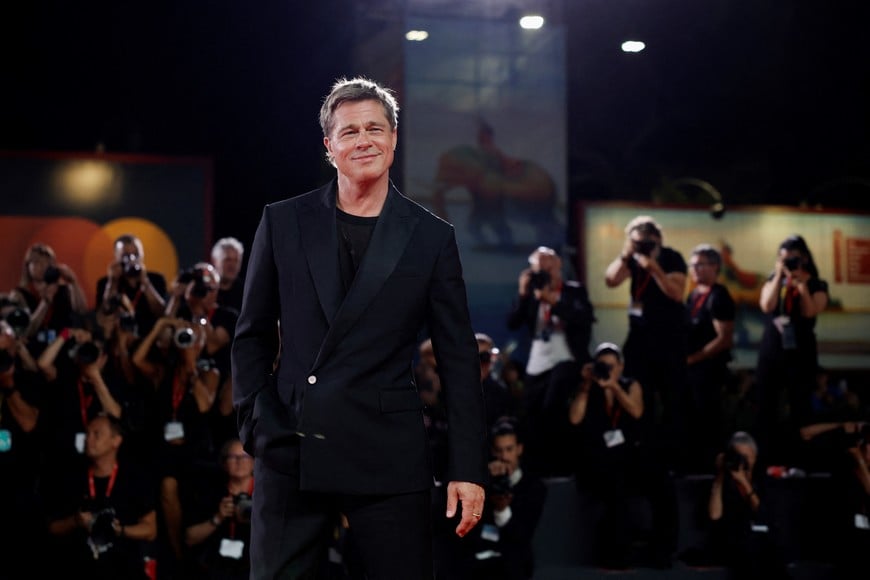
416, 35
531, 22
633, 46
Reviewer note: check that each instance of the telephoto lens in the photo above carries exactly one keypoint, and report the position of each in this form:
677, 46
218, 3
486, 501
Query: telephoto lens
184, 337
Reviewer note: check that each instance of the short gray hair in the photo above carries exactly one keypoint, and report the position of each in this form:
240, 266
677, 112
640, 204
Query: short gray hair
357, 89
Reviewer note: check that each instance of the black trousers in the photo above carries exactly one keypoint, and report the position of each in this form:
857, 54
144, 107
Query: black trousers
391, 535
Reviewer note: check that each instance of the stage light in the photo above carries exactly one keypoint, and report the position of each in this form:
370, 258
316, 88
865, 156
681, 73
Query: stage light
531, 22
416, 35
633, 46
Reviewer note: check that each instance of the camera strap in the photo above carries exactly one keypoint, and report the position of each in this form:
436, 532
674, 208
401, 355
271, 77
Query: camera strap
699, 302
177, 395
232, 531
642, 286
92, 488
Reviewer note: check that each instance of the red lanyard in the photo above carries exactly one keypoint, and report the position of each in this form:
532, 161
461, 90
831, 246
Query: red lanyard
84, 403
177, 394
135, 299
109, 486
787, 295
699, 301
614, 413
642, 287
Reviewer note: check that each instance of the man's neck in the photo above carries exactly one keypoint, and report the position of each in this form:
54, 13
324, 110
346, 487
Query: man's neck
362, 199
104, 465
239, 485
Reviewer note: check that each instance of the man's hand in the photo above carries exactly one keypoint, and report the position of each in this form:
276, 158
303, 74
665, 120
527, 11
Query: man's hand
472, 497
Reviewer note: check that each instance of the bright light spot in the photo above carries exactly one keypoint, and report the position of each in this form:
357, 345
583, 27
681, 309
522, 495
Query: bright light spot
86, 182
633, 46
417, 35
531, 22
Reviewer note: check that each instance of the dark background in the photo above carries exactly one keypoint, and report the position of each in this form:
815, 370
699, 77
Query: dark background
765, 99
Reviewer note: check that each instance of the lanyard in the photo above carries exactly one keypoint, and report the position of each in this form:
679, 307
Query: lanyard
699, 301
136, 298
84, 402
546, 307
177, 395
786, 296
614, 414
93, 489
642, 287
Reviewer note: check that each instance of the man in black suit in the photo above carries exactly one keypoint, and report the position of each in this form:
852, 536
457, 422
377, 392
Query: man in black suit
558, 317
340, 283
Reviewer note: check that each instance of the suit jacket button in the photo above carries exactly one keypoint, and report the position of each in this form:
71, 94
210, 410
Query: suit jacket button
312, 379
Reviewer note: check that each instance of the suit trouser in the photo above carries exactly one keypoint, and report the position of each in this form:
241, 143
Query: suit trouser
391, 535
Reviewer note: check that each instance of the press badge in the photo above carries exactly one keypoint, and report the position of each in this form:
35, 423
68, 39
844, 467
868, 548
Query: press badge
5, 440
231, 548
614, 437
635, 309
173, 430
862, 522
786, 332
489, 532
79, 442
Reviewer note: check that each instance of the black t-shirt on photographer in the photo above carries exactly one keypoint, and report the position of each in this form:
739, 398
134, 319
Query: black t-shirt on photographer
659, 312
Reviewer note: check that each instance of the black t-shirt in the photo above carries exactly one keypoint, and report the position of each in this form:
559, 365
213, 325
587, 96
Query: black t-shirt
19, 450
659, 311
132, 495
704, 308
145, 318
354, 233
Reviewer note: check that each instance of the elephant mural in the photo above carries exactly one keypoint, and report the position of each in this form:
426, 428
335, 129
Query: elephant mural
501, 188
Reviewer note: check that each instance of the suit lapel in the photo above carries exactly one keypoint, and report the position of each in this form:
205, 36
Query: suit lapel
389, 238
320, 241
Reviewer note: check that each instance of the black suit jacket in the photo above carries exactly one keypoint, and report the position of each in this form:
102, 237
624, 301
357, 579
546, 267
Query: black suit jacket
341, 405
574, 310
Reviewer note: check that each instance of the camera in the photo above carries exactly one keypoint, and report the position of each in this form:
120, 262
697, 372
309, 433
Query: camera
200, 279
85, 353
184, 337
645, 247
51, 275
102, 534
539, 279
19, 320
130, 265
244, 506
734, 460
205, 364
500, 485
601, 370
127, 322
793, 263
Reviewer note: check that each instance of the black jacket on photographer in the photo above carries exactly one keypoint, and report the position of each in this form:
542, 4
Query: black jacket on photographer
574, 312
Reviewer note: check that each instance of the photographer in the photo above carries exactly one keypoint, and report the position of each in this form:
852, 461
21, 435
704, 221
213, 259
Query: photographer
791, 299
21, 530
219, 530
656, 346
128, 277
193, 297
614, 463
502, 543
102, 511
169, 360
51, 294
741, 534
76, 392
558, 317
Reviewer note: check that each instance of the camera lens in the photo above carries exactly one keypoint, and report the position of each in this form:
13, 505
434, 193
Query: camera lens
184, 337
51, 275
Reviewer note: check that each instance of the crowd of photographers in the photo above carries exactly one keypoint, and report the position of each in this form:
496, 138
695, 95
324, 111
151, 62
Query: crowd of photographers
118, 429
117, 438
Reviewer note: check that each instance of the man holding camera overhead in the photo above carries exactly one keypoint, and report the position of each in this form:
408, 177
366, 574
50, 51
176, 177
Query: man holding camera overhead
559, 317
656, 348
128, 285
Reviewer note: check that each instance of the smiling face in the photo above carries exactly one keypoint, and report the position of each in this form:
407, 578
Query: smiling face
361, 143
